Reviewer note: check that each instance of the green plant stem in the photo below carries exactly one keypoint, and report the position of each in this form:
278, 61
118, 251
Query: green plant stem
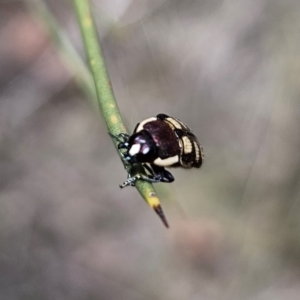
105, 95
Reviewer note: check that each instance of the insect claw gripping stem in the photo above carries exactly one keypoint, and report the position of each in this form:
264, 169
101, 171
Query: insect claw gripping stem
132, 179
120, 137
129, 182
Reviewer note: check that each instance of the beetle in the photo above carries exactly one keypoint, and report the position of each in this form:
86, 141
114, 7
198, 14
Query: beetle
160, 142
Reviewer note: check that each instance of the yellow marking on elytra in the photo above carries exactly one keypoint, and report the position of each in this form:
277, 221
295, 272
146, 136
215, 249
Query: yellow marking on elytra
175, 123
197, 151
167, 161
141, 126
187, 145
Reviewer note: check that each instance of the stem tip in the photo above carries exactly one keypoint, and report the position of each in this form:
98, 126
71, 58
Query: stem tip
161, 214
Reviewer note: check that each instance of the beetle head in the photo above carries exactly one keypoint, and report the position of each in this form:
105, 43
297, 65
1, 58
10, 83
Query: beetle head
141, 148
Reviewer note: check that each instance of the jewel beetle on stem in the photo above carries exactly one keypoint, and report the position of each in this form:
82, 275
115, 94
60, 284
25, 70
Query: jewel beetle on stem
157, 143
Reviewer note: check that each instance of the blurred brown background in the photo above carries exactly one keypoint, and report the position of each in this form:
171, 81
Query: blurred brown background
231, 71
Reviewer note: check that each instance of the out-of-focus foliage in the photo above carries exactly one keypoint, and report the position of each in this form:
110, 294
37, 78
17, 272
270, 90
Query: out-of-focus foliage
231, 71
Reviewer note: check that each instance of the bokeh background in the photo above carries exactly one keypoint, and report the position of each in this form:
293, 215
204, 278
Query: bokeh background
230, 70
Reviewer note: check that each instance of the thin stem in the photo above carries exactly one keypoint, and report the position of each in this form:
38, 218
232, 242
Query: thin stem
105, 95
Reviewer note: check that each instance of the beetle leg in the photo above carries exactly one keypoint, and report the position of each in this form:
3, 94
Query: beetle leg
123, 135
153, 177
120, 137
157, 174
132, 179
168, 177
149, 169
162, 173
129, 182
123, 145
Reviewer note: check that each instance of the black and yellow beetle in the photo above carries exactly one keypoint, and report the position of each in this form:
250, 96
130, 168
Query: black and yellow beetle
160, 142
